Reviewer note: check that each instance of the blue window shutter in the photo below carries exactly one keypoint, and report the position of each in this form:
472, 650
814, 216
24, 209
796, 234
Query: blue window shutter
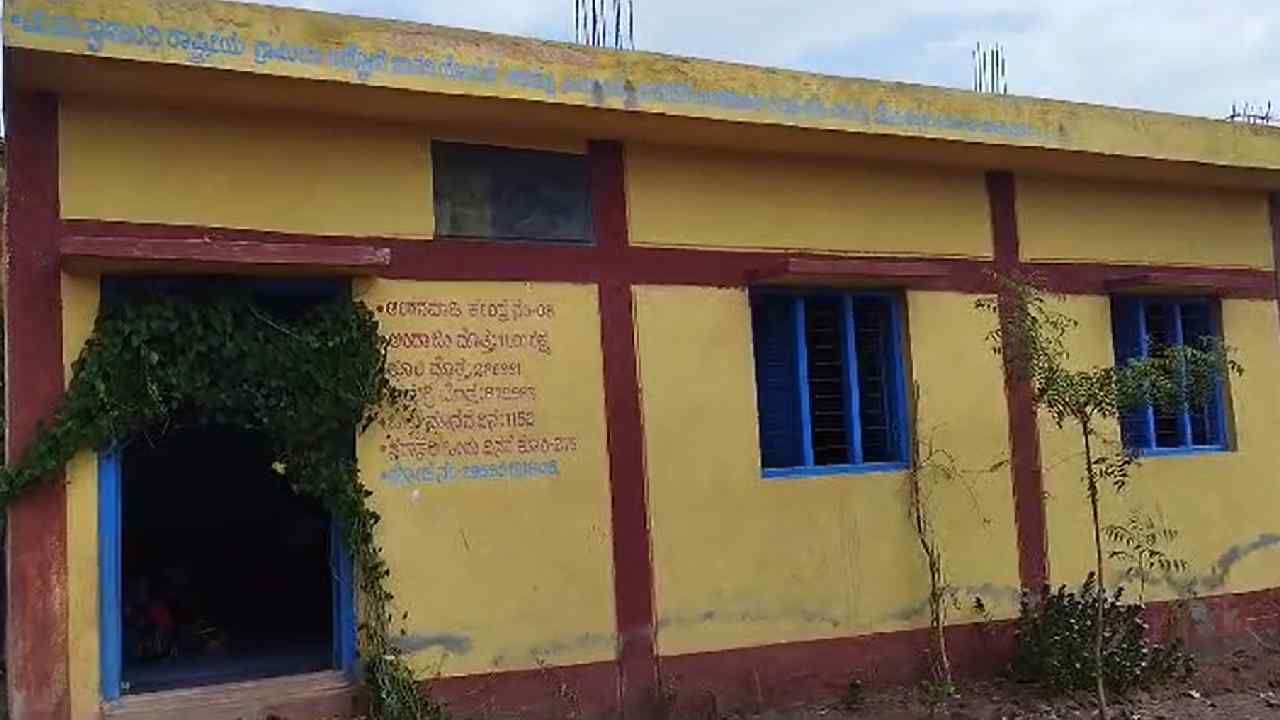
1129, 339
853, 399
876, 375
778, 395
825, 344
898, 375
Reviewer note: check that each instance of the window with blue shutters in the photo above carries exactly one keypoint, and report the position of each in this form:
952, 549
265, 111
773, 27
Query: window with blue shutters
1140, 327
830, 383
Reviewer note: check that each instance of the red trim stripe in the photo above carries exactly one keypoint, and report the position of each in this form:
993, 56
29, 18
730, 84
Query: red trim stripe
455, 259
1274, 202
749, 680
1024, 433
571, 691
37, 529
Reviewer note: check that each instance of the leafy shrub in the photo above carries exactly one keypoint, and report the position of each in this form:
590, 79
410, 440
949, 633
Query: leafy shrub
1056, 635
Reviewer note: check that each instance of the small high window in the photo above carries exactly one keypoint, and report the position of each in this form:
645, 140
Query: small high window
492, 193
1140, 327
830, 383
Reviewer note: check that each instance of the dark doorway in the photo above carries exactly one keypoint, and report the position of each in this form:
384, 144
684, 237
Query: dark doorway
225, 570
213, 569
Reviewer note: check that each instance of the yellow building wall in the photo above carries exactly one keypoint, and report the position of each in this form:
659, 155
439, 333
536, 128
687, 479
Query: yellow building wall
687, 197
496, 573
740, 561
1063, 219
293, 174
215, 168
1223, 504
79, 311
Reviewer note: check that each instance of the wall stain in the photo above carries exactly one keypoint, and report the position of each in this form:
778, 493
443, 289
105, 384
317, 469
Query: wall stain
546, 653
992, 596
811, 617
1218, 573
452, 644
578, 642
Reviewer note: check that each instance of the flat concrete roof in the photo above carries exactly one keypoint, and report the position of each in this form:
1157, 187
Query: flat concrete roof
133, 48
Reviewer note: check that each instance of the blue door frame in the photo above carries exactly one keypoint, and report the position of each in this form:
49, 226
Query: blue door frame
111, 619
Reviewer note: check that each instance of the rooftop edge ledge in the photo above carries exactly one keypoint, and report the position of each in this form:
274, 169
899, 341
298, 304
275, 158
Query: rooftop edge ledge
302, 44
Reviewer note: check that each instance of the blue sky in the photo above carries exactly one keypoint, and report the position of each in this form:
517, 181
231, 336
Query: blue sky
1186, 56
1193, 57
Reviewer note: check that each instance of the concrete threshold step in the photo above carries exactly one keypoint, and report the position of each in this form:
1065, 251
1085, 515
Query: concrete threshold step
316, 696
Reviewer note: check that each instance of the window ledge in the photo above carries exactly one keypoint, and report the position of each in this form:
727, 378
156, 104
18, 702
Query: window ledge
801, 473
316, 695
1178, 452
206, 256
1179, 282
858, 270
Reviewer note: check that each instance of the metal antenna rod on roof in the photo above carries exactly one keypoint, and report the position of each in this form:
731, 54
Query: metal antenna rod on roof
617, 23
605, 23
1253, 114
990, 69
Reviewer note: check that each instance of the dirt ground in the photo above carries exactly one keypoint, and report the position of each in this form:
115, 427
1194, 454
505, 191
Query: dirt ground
1244, 686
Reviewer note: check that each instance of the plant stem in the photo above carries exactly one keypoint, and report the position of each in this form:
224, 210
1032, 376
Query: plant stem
1092, 481
932, 553
939, 621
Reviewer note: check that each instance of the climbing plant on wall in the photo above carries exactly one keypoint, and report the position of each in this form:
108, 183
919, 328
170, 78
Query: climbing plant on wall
306, 381
1033, 338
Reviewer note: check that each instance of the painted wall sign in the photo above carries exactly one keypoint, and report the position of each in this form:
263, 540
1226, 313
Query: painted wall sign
477, 366
495, 483
217, 39
282, 42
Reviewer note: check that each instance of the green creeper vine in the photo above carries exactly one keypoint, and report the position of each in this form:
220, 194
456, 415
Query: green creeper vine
305, 380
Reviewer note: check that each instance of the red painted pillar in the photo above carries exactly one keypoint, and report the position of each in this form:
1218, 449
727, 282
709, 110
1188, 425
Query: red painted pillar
1274, 200
632, 560
1024, 434
37, 528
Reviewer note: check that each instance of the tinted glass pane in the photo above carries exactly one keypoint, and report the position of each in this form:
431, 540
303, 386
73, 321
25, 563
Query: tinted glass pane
824, 336
506, 194
871, 321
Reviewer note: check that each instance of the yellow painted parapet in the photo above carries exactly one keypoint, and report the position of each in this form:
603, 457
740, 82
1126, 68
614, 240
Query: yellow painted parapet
299, 44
